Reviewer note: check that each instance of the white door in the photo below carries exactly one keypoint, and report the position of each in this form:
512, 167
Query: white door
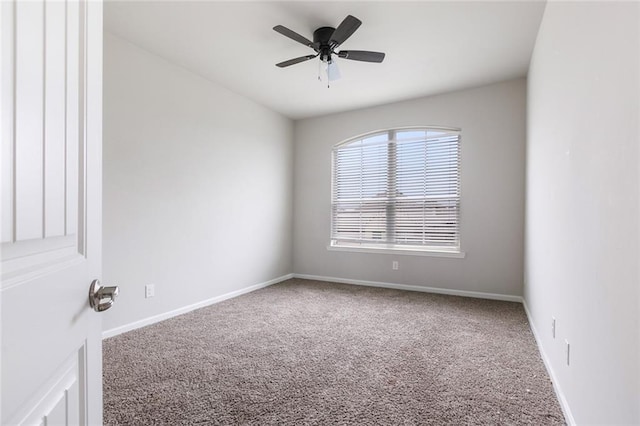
51, 126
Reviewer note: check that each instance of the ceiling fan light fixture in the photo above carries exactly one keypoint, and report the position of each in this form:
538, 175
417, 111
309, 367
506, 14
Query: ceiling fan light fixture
333, 72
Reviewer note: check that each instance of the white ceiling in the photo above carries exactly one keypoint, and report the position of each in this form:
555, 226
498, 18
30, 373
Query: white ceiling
431, 47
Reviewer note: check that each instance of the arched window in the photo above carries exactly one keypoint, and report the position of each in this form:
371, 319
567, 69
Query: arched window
397, 189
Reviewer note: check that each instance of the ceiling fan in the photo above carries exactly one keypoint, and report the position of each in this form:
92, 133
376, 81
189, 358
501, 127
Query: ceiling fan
325, 42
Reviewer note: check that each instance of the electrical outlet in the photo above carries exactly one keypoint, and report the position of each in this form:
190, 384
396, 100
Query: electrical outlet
149, 290
567, 351
553, 327
394, 265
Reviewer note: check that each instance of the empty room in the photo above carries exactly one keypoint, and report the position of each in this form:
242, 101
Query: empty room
320, 212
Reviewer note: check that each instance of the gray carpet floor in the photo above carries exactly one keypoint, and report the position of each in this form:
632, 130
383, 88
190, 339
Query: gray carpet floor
309, 352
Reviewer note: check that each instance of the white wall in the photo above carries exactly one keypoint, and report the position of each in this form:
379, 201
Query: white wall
582, 230
492, 119
197, 186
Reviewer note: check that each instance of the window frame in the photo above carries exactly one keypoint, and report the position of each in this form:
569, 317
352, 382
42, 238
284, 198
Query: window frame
390, 248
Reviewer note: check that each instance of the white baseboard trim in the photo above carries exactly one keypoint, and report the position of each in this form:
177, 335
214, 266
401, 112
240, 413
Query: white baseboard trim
166, 315
451, 292
564, 405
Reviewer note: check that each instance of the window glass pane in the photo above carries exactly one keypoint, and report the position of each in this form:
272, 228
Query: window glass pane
411, 163
434, 134
374, 171
410, 134
381, 137
361, 172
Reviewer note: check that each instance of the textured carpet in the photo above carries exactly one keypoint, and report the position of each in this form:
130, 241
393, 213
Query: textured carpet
308, 352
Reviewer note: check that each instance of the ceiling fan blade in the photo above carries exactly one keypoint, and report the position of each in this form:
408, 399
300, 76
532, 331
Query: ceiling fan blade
293, 36
295, 61
344, 30
361, 55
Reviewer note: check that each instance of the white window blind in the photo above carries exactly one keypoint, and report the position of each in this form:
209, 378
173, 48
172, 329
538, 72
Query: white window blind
398, 189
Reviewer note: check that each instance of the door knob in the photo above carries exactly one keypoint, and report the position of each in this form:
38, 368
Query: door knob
101, 298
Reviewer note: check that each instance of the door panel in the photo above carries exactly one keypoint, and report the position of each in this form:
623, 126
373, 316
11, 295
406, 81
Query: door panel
29, 119
51, 211
54, 120
57, 404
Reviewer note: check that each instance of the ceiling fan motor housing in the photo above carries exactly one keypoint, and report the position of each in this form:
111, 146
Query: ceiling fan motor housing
321, 37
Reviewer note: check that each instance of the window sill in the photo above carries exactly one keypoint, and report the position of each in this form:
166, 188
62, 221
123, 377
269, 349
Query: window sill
399, 251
